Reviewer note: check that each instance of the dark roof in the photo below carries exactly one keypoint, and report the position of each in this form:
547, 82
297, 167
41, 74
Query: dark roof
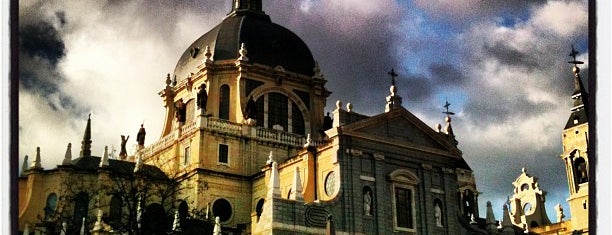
266, 43
580, 116
116, 166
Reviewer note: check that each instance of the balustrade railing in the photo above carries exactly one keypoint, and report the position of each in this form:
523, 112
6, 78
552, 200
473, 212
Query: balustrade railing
225, 126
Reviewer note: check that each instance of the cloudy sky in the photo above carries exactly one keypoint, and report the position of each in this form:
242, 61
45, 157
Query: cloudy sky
502, 65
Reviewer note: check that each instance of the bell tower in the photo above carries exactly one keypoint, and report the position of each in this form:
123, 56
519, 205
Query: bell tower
575, 155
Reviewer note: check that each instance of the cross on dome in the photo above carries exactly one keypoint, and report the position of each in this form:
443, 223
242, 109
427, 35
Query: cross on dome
393, 75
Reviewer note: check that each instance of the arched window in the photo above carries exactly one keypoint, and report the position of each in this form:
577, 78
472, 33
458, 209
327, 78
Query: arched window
582, 172
277, 111
224, 102
403, 199
116, 209
81, 204
223, 209
468, 203
259, 208
183, 210
51, 206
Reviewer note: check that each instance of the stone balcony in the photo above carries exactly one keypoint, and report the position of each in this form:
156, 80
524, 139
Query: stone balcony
225, 127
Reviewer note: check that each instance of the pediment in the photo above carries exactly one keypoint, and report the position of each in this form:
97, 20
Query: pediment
401, 127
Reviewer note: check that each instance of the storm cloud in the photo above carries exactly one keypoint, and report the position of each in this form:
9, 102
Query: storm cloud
502, 64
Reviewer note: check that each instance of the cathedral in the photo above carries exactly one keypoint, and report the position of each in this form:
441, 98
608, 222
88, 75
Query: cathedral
247, 148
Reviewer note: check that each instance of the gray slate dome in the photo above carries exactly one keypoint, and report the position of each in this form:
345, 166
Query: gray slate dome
266, 42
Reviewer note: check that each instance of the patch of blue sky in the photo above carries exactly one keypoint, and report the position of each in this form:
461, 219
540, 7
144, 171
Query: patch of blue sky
456, 97
510, 20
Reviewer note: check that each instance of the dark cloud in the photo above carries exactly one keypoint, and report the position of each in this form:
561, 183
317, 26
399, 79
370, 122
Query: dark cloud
511, 56
41, 39
41, 48
354, 51
490, 108
465, 13
445, 73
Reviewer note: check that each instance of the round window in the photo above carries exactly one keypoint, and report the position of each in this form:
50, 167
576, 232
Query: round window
330, 184
223, 209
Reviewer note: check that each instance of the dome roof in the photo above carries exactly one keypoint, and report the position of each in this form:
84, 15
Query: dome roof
266, 42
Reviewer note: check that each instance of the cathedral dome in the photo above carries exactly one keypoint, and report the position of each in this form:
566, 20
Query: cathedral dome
266, 42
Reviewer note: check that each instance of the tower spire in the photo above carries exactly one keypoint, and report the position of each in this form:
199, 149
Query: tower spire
579, 96
86, 143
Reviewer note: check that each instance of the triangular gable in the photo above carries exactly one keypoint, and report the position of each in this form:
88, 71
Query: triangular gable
401, 126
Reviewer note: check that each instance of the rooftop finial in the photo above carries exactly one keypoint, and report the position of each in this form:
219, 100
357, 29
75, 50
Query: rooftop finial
573, 54
243, 53
86, 143
68, 156
36, 163
104, 160
168, 80
207, 55
449, 128
317, 71
24, 166
393, 75
393, 100
446, 105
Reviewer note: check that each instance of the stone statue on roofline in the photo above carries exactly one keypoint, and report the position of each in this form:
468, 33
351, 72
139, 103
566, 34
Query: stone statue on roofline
140, 137
123, 151
202, 98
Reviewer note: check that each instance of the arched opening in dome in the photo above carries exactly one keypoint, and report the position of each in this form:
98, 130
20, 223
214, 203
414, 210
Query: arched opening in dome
277, 111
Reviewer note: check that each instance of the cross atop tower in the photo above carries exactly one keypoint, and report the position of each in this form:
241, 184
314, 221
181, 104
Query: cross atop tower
393, 75
573, 54
446, 105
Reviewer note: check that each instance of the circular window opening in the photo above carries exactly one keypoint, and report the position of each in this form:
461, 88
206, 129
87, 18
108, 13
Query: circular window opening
223, 209
330, 184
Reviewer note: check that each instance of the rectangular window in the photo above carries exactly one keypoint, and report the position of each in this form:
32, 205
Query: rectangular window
223, 154
186, 156
403, 208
